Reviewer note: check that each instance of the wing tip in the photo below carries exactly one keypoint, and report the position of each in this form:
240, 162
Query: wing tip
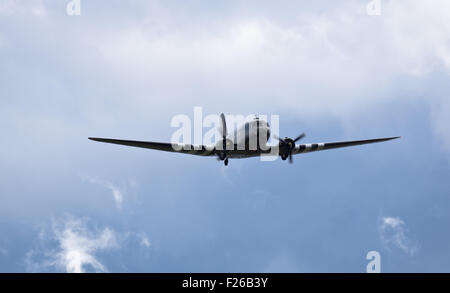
97, 139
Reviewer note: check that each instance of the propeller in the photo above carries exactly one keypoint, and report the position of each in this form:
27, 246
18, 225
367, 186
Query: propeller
224, 138
287, 145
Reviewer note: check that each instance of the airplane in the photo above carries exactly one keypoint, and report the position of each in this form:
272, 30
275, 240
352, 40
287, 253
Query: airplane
237, 145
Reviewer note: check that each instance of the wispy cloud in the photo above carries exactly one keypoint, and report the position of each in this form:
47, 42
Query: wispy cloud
117, 194
77, 246
144, 241
393, 233
74, 245
139, 238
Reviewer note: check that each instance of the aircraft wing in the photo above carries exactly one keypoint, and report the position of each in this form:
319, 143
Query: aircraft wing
312, 147
161, 146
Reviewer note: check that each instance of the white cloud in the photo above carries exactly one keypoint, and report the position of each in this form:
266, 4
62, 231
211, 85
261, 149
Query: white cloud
393, 233
139, 238
144, 241
288, 60
77, 246
74, 245
337, 62
115, 191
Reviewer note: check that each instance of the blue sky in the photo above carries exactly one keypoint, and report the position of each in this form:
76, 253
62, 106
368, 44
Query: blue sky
124, 69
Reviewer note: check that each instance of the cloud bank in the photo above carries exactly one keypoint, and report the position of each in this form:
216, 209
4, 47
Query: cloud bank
255, 57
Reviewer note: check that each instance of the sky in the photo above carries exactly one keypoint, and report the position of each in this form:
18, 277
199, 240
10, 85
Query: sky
123, 70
